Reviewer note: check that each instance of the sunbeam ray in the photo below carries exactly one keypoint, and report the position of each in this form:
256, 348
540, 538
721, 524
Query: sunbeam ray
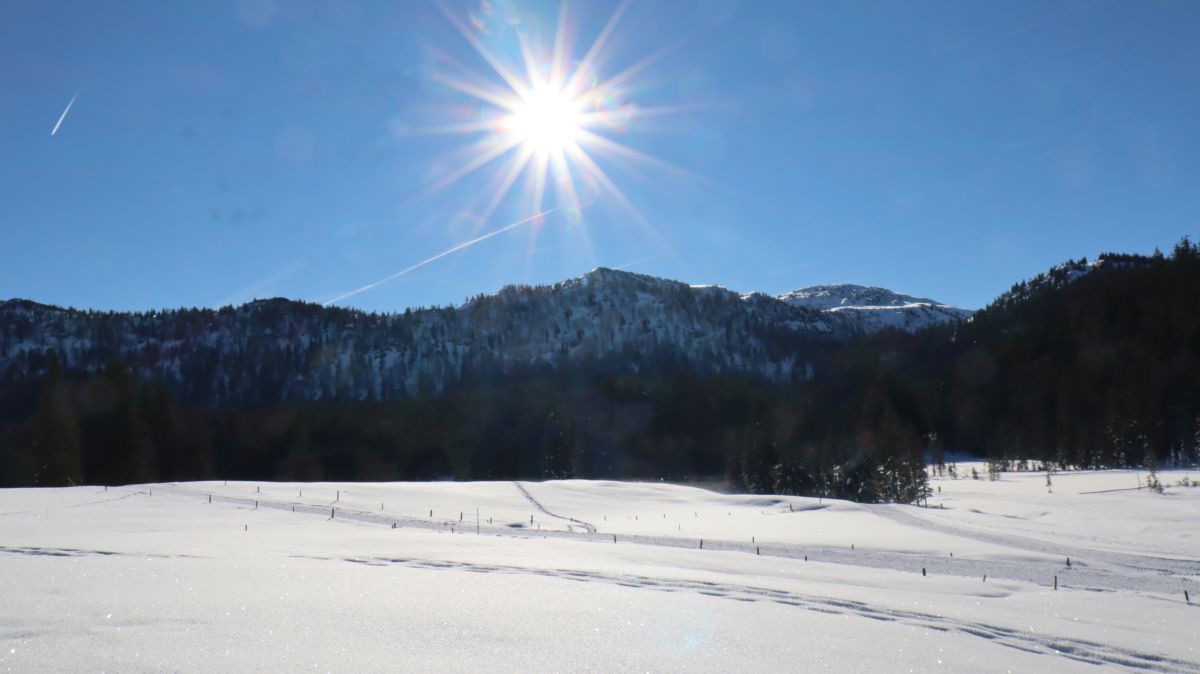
602, 117
604, 144
539, 180
572, 195
558, 57
596, 173
490, 155
461, 127
611, 83
517, 165
585, 65
501, 70
499, 100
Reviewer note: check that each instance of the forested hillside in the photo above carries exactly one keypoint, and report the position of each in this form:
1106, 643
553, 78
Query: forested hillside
612, 375
277, 351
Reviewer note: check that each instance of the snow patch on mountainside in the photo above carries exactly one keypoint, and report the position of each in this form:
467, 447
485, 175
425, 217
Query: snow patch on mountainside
825, 297
873, 309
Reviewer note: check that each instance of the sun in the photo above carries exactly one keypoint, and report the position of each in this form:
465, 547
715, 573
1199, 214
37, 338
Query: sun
546, 120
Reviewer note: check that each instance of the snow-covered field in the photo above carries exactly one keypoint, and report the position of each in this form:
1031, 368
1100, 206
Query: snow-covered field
606, 576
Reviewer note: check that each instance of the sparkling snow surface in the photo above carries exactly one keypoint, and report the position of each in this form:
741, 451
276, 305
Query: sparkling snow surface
156, 578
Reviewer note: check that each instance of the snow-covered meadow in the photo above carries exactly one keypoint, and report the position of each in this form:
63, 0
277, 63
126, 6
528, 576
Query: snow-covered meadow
600, 576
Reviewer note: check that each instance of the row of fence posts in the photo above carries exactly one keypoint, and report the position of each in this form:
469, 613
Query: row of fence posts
478, 520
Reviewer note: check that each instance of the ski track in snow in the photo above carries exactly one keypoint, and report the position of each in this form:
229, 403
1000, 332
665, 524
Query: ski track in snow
1097, 571
77, 552
1141, 563
537, 504
1090, 652
32, 511
1127, 572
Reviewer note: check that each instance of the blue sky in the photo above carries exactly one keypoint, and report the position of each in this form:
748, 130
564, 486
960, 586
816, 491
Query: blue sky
221, 151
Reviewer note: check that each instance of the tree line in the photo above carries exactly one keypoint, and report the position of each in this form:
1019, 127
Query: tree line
1098, 369
529, 423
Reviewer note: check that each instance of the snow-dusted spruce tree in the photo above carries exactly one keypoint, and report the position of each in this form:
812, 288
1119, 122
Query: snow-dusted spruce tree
994, 468
1152, 480
900, 474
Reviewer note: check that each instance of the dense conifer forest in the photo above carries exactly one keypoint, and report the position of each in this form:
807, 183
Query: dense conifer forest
1092, 365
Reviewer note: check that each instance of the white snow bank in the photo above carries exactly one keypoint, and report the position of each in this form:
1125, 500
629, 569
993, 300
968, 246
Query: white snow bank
154, 578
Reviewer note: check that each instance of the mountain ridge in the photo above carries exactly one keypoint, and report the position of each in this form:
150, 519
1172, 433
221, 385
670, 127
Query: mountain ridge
851, 297
277, 349
273, 350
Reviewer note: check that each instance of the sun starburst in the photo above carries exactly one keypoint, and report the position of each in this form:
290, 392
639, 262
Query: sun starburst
547, 125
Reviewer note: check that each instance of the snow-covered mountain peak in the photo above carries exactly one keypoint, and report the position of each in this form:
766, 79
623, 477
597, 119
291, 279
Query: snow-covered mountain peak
875, 308
835, 296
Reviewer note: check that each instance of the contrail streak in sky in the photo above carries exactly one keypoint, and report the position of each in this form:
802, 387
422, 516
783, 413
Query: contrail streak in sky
444, 253
638, 261
64, 113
